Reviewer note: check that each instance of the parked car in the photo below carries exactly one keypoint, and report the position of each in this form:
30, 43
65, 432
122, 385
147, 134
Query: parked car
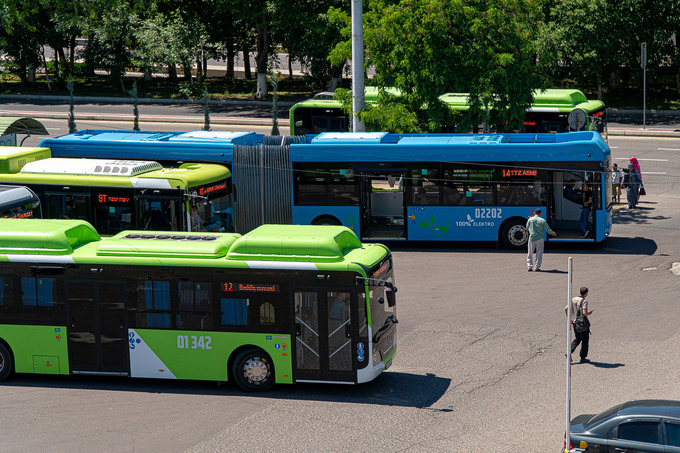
635, 426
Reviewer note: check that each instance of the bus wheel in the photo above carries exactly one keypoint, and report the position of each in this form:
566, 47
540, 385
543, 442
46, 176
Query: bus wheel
253, 370
326, 220
6, 362
515, 234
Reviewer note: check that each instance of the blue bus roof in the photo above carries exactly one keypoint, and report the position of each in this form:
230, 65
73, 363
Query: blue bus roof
214, 146
384, 147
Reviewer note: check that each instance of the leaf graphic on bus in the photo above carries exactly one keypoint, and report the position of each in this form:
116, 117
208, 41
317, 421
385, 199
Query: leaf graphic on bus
432, 220
470, 219
424, 224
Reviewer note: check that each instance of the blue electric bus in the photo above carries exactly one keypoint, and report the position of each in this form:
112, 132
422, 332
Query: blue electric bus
453, 187
404, 187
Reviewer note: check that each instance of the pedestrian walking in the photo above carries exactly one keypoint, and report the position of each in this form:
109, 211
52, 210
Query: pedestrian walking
636, 166
633, 189
537, 227
581, 323
617, 179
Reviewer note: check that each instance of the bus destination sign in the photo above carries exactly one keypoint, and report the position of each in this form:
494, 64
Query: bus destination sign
518, 172
250, 287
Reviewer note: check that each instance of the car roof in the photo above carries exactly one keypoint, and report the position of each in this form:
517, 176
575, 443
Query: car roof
661, 408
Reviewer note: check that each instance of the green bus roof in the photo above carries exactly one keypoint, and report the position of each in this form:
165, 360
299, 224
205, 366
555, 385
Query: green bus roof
278, 246
13, 158
564, 100
34, 166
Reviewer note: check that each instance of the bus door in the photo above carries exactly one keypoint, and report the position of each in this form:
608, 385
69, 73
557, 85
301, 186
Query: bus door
567, 199
161, 211
97, 328
67, 205
324, 335
382, 202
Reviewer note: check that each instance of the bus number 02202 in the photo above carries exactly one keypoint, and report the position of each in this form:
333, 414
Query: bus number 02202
193, 342
488, 213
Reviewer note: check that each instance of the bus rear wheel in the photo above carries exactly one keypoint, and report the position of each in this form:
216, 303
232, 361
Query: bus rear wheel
326, 220
6, 363
515, 234
253, 370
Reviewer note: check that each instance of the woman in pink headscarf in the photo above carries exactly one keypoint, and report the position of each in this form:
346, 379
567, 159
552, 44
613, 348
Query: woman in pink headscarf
636, 167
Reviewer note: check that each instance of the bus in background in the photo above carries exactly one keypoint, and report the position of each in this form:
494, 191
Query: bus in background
553, 110
452, 187
19, 202
282, 304
325, 114
122, 194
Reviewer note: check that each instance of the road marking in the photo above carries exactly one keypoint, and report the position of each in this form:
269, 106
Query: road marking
654, 172
668, 149
649, 160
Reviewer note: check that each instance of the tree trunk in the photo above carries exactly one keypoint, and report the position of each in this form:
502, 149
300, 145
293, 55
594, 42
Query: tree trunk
246, 62
262, 51
290, 68
31, 74
172, 72
62, 60
72, 54
57, 73
230, 61
336, 77
148, 76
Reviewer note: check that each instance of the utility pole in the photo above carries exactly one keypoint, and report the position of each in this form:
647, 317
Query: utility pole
643, 63
357, 65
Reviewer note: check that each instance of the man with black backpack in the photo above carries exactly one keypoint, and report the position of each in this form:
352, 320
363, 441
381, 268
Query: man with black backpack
581, 323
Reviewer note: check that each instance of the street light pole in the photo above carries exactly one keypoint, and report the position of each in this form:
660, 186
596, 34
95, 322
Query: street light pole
643, 63
357, 66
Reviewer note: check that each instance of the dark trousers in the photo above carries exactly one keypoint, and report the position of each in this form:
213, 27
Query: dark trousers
582, 338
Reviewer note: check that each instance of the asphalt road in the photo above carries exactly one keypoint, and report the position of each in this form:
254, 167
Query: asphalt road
480, 364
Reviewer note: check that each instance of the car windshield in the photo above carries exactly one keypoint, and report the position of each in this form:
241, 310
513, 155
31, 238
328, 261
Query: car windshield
602, 416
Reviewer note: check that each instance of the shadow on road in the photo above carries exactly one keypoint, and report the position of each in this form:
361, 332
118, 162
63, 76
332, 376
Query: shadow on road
389, 389
602, 364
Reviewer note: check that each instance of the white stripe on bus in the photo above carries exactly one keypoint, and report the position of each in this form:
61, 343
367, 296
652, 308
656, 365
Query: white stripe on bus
39, 259
301, 265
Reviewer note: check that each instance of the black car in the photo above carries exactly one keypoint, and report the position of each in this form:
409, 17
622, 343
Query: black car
635, 426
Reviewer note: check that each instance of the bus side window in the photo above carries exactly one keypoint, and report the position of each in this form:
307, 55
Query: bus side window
267, 313
6, 292
37, 292
195, 306
234, 312
153, 303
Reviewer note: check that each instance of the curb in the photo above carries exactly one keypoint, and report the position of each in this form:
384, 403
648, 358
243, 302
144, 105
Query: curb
670, 133
119, 100
241, 121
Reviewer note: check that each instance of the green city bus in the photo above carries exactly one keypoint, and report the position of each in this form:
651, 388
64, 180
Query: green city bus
552, 110
280, 304
116, 195
19, 202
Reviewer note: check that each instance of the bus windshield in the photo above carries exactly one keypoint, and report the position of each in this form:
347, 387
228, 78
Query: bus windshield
212, 207
383, 313
18, 202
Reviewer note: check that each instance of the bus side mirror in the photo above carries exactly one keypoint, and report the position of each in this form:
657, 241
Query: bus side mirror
391, 297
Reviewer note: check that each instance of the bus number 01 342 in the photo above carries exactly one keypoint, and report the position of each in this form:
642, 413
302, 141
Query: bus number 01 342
193, 342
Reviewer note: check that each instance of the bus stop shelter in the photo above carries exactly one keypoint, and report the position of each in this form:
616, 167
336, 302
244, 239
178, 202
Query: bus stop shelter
10, 127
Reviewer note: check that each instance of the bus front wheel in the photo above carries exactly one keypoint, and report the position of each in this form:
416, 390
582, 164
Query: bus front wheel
253, 370
6, 362
515, 234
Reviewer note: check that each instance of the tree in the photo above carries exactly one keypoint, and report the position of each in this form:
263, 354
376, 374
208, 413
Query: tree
429, 47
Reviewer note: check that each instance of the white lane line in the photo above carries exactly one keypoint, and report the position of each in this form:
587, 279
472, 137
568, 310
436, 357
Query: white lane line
668, 149
648, 160
653, 173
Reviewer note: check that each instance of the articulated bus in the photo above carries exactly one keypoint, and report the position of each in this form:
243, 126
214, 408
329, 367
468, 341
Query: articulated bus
281, 304
348, 179
452, 187
553, 110
120, 194
19, 202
